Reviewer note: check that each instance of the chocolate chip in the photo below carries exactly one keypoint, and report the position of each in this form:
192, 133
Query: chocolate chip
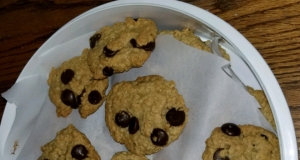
79, 97
79, 152
94, 97
175, 117
108, 71
266, 137
148, 47
216, 155
159, 137
108, 52
133, 43
122, 119
94, 39
133, 125
69, 99
67, 76
136, 19
231, 129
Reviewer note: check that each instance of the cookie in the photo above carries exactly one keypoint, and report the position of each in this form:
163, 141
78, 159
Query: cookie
69, 144
72, 86
146, 114
127, 156
188, 37
265, 109
236, 142
122, 46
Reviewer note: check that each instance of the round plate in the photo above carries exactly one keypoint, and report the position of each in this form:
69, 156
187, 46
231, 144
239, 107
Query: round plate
177, 15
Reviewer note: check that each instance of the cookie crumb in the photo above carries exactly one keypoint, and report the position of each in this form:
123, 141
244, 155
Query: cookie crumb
16, 145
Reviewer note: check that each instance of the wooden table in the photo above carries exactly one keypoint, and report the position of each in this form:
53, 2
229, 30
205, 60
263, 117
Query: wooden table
273, 27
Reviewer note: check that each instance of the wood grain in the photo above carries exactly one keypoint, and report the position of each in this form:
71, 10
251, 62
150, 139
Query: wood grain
273, 27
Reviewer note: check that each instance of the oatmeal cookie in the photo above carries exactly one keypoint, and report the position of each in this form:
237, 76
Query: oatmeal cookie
146, 114
236, 142
265, 109
72, 86
122, 46
69, 144
127, 156
188, 37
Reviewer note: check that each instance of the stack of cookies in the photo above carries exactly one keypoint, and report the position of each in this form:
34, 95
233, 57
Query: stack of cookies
146, 114
81, 82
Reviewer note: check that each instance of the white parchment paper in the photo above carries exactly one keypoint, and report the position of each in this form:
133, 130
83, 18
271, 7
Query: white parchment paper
212, 97
28, 95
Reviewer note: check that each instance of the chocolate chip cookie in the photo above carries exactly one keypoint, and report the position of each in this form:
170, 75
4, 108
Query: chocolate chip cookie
146, 114
72, 86
188, 37
122, 46
236, 142
265, 109
127, 156
69, 144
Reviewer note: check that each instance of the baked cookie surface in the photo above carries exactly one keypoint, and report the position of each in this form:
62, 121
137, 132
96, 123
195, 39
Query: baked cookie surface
265, 109
146, 114
122, 46
236, 142
127, 156
69, 144
72, 86
188, 37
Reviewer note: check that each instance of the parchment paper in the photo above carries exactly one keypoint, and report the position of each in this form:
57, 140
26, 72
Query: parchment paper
212, 97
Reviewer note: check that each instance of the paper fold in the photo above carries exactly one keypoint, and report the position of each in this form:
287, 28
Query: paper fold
28, 95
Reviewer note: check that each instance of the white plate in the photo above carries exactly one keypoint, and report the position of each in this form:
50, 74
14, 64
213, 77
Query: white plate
177, 15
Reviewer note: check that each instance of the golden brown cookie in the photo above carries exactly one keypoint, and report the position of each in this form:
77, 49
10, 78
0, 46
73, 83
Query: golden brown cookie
69, 144
236, 142
122, 46
188, 37
72, 86
265, 109
128, 156
145, 115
